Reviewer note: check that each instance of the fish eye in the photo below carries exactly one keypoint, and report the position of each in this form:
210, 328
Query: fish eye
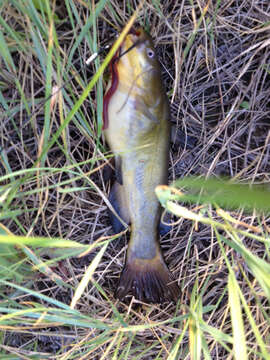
150, 53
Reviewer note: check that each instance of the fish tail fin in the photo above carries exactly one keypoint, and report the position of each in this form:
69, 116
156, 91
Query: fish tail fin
148, 280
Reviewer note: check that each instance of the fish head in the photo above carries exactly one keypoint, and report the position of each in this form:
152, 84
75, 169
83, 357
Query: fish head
138, 65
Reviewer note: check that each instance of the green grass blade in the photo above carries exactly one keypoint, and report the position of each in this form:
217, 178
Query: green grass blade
240, 349
221, 192
88, 275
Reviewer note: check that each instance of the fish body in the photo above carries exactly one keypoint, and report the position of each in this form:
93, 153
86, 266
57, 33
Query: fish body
138, 133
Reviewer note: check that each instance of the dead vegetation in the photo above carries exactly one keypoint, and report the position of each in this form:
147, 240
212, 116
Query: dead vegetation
216, 67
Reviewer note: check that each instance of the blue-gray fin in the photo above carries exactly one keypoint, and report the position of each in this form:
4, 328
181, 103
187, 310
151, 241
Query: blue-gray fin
164, 228
179, 137
108, 172
118, 169
118, 201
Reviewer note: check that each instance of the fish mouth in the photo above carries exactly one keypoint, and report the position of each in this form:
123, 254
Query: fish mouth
132, 40
135, 36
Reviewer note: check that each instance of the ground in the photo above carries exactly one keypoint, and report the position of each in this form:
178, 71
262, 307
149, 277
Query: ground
216, 69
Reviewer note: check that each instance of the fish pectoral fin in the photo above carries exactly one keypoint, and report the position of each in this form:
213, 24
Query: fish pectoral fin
166, 223
179, 137
118, 169
107, 172
164, 229
144, 111
118, 201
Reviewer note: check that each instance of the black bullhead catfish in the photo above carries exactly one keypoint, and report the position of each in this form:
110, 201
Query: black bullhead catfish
136, 122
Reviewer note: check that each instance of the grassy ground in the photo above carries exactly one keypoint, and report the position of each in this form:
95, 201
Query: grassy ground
56, 296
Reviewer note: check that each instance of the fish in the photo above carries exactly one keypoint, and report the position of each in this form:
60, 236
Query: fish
136, 125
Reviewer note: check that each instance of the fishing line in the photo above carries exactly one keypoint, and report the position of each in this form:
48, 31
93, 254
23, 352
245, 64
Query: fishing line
56, 91
128, 50
87, 62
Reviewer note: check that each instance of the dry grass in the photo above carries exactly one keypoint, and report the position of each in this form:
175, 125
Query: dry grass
216, 61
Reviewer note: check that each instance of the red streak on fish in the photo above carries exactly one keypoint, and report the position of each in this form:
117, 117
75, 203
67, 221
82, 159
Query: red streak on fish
114, 83
111, 90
